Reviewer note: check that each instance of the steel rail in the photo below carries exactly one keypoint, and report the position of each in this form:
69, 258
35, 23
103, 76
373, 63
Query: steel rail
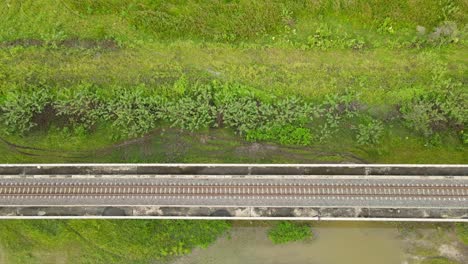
96, 190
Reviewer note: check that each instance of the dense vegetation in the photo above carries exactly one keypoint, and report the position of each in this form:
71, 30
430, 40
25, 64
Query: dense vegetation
284, 232
367, 77
195, 105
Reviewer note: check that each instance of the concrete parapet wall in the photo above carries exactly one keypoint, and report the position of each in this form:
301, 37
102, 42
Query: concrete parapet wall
232, 169
271, 213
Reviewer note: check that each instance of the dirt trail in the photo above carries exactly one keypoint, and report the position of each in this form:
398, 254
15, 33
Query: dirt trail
174, 148
106, 44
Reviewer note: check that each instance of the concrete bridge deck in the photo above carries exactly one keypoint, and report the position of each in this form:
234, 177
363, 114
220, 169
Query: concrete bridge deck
245, 191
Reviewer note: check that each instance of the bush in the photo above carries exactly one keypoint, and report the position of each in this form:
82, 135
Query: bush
20, 107
241, 113
332, 111
194, 110
80, 105
286, 231
292, 111
436, 111
370, 132
132, 111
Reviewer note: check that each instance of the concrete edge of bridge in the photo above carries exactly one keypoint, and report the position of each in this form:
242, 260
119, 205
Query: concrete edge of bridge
235, 169
236, 213
356, 219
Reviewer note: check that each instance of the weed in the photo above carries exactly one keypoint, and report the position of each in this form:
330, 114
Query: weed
80, 105
370, 132
19, 107
195, 110
131, 112
386, 26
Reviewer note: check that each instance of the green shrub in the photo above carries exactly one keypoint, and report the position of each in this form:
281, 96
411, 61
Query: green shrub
332, 111
419, 115
18, 109
194, 110
285, 231
242, 113
370, 132
80, 105
132, 111
436, 111
292, 111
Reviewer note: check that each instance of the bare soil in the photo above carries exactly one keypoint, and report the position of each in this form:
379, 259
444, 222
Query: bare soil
106, 44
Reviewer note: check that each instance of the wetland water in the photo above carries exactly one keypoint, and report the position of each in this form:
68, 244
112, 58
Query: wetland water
334, 243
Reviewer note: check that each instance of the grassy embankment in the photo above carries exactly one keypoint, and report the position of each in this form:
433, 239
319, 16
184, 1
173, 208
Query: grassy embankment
374, 82
84, 80
104, 241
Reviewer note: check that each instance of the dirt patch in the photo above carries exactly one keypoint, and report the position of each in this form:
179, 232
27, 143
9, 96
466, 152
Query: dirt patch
433, 241
453, 252
306, 155
90, 44
59, 257
41, 152
256, 149
107, 44
44, 119
173, 145
22, 43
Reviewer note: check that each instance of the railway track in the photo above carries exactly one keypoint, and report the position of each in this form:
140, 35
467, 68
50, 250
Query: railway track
63, 189
235, 190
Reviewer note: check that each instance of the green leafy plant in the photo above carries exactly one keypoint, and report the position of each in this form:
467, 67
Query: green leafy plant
132, 112
285, 232
20, 107
322, 38
292, 111
386, 26
370, 132
241, 113
436, 111
194, 110
332, 111
81, 106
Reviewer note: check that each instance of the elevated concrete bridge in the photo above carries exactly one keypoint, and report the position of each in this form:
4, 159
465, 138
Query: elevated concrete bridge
235, 191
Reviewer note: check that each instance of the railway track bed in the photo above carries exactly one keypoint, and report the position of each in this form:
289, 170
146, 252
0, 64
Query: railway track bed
236, 191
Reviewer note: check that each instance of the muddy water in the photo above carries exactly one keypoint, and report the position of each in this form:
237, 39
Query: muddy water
334, 243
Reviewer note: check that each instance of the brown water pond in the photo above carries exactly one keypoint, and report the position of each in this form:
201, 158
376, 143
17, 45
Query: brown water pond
334, 243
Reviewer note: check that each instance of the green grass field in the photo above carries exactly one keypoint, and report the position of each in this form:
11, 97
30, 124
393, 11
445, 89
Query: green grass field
401, 69
223, 81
